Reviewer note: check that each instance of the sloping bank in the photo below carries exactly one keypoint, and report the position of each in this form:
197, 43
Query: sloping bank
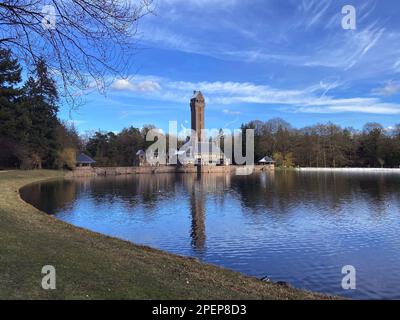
93, 266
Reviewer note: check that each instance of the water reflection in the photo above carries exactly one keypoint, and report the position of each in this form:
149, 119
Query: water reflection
300, 227
198, 212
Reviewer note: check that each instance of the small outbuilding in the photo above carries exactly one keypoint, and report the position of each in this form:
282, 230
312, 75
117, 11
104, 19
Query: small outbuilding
82, 160
266, 160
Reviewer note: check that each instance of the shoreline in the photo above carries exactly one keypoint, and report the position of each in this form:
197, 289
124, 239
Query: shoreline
113, 171
95, 266
351, 170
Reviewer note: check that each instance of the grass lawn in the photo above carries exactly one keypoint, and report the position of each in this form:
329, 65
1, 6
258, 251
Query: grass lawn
94, 266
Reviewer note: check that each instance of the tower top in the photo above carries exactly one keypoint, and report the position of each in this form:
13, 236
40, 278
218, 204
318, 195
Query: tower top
197, 95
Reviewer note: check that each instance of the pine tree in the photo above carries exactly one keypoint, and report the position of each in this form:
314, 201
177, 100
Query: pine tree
40, 99
10, 75
14, 119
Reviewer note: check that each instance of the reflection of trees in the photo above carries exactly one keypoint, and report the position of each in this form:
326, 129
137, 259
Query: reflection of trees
380, 189
149, 189
50, 197
283, 191
277, 193
132, 190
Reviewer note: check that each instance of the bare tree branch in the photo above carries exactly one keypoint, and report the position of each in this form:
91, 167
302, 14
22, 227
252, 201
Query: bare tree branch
89, 40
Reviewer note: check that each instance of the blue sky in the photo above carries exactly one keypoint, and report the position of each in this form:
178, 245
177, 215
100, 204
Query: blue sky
256, 60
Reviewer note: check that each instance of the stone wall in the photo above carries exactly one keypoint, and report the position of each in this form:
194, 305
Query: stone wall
264, 167
113, 171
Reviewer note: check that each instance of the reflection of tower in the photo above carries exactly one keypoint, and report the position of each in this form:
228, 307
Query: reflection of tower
197, 105
197, 208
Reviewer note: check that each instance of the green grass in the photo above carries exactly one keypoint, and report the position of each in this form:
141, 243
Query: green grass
94, 266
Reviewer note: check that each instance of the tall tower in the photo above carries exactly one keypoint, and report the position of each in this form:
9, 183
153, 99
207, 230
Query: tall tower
197, 105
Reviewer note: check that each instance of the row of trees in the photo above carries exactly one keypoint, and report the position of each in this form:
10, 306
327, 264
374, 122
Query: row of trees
327, 145
111, 149
31, 136
321, 145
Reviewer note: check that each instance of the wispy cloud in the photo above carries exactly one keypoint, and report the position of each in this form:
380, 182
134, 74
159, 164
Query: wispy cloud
389, 89
312, 12
270, 57
310, 99
304, 34
231, 112
358, 105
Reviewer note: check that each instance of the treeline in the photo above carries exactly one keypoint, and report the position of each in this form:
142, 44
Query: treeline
321, 145
326, 145
117, 149
31, 135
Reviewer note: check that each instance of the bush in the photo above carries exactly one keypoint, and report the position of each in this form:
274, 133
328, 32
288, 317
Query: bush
66, 158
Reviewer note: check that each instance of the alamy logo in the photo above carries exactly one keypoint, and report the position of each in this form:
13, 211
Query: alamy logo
49, 280
349, 280
205, 150
349, 21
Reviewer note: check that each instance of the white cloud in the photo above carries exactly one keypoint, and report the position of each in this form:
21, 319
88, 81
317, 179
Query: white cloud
122, 84
240, 92
313, 98
141, 86
389, 89
148, 85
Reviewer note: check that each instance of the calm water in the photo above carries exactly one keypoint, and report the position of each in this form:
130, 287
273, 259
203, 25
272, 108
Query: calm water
296, 227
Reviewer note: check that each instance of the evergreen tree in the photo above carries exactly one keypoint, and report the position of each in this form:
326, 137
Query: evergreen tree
40, 99
13, 117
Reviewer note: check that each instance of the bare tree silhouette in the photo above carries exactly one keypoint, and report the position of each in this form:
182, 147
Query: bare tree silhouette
82, 41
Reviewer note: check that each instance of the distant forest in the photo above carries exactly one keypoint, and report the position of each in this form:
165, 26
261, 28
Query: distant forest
32, 136
327, 145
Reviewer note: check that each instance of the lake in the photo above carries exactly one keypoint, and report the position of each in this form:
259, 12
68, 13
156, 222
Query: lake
298, 227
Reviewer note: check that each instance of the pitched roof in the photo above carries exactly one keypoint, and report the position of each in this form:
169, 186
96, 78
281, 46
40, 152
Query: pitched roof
83, 158
266, 159
140, 153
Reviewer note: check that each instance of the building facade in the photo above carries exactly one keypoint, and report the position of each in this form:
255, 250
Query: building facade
203, 151
197, 105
